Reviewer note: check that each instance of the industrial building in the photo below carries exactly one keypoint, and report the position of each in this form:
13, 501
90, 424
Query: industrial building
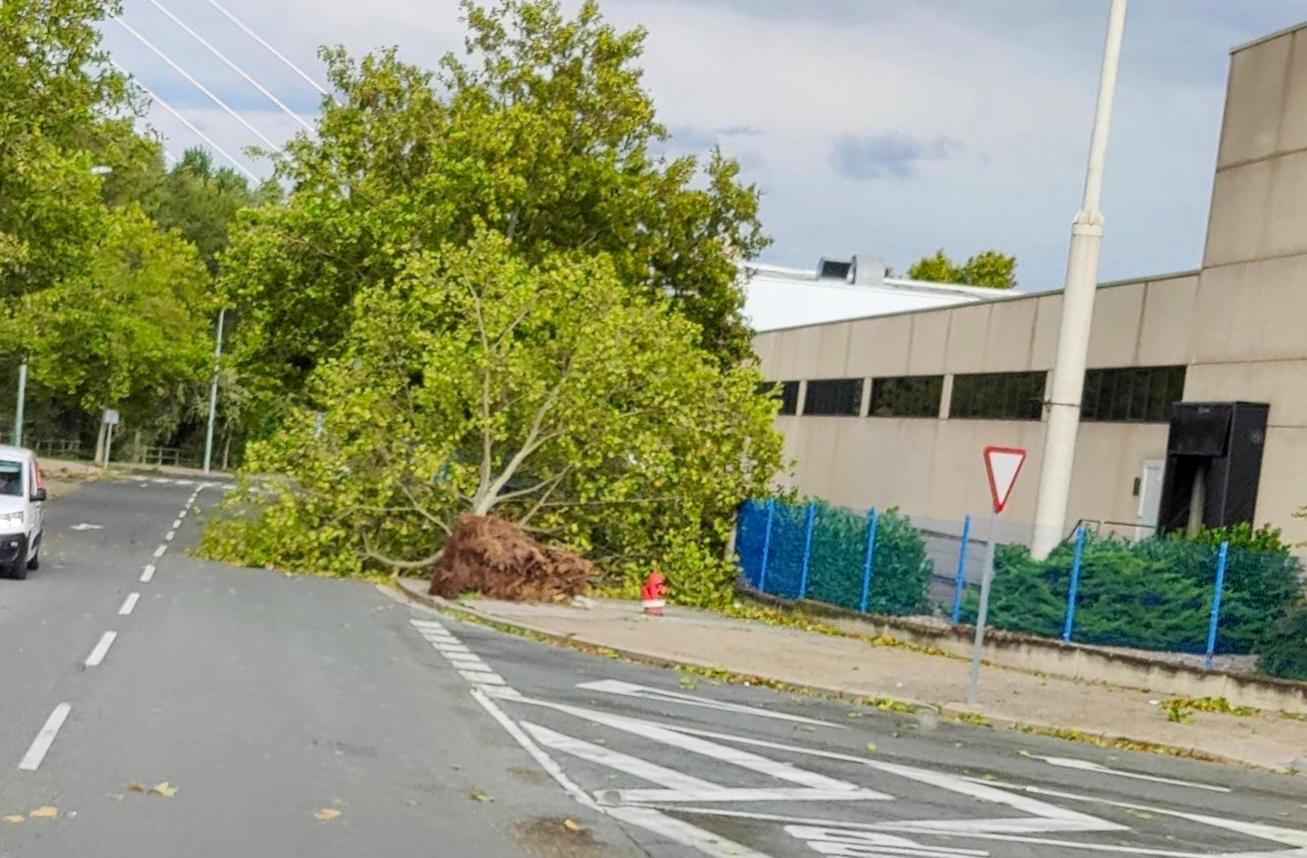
1195, 403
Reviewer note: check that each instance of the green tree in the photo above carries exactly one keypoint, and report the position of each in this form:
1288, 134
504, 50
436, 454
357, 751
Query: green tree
989, 268
58, 97
542, 132
130, 331
548, 393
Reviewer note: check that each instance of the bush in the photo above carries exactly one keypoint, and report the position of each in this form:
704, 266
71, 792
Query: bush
1284, 648
1154, 594
900, 574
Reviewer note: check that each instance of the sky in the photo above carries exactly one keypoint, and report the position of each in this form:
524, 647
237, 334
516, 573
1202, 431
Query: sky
884, 127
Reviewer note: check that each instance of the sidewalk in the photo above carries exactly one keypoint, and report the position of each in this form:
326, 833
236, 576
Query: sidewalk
854, 667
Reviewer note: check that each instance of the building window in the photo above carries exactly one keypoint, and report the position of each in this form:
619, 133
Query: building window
1136, 394
998, 396
786, 391
906, 396
840, 397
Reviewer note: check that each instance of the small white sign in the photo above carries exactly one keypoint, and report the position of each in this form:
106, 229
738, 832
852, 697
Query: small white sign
1002, 465
111, 416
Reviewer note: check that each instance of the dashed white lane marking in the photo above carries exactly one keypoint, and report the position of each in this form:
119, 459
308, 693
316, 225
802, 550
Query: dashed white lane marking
158, 552
168, 537
182, 514
177, 522
463, 660
147, 573
101, 649
129, 604
41, 744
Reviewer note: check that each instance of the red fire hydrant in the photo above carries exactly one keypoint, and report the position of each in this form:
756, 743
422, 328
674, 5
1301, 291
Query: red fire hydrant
652, 593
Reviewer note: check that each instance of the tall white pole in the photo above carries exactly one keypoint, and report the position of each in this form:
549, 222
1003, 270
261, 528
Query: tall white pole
22, 401
213, 394
1077, 314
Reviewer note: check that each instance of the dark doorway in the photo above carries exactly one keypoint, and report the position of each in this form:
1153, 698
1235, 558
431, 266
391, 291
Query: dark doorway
1213, 464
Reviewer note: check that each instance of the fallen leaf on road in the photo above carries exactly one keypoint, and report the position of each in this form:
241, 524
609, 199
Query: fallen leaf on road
1023, 753
15, 818
477, 795
46, 812
136, 787
572, 825
326, 814
855, 715
871, 747
164, 789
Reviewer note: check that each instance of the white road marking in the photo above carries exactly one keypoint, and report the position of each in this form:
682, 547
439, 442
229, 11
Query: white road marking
658, 695
147, 573
182, 514
167, 537
177, 522
480, 677
158, 552
129, 604
642, 769
651, 820
449, 649
162, 481
830, 840
101, 649
183, 482
87, 526
682, 740
1097, 768
41, 744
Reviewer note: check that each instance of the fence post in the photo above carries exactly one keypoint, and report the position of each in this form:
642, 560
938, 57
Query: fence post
1221, 559
962, 570
869, 561
807, 550
766, 546
1075, 585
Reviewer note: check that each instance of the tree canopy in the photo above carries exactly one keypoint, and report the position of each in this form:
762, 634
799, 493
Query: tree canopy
542, 132
988, 268
545, 391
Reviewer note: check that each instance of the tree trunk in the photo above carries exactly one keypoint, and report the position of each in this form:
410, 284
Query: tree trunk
138, 451
99, 442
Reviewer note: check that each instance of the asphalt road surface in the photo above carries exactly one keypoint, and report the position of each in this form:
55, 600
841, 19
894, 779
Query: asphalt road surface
155, 705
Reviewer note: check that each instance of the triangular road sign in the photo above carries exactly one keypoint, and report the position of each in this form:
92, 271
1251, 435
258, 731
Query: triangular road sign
1002, 464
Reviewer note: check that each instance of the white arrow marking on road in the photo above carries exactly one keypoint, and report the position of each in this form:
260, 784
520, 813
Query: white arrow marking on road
658, 695
1097, 768
44, 739
86, 526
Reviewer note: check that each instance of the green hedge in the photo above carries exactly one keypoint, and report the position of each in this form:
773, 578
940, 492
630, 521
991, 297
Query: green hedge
1157, 594
900, 571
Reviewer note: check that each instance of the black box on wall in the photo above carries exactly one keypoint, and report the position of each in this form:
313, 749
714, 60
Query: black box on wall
1213, 464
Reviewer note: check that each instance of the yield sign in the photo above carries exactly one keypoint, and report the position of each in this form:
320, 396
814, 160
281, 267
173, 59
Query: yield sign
1002, 464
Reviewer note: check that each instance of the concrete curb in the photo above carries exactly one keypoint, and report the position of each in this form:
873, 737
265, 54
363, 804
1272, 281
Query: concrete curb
414, 593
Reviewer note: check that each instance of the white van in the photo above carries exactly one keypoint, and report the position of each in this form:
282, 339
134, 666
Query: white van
22, 511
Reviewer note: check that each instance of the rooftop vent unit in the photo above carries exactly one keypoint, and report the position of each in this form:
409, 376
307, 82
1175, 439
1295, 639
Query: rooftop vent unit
834, 269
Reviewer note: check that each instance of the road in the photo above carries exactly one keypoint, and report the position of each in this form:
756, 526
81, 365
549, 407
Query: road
225, 712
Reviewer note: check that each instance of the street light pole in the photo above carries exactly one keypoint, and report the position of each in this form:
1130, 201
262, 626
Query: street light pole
22, 401
213, 394
1077, 313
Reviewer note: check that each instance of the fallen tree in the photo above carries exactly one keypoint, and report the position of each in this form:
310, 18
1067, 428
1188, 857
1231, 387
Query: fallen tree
548, 395
490, 556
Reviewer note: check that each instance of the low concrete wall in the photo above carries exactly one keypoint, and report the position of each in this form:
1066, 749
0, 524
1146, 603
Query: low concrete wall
1075, 661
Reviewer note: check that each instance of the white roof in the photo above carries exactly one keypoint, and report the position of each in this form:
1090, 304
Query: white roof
779, 297
15, 452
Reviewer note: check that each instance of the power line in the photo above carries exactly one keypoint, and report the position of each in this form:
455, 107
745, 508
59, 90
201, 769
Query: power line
201, 87
276, 53
191, 125
231, 65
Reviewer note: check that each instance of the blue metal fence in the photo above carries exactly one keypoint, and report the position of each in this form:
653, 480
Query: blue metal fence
1157, 594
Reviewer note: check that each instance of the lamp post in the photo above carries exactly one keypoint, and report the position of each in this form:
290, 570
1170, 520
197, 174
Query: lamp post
213, 394
1077, 313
